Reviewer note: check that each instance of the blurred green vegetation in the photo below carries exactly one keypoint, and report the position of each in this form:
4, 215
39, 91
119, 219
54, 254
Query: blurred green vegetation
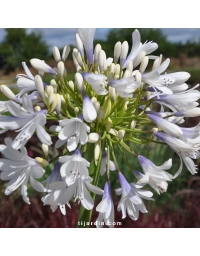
19, 46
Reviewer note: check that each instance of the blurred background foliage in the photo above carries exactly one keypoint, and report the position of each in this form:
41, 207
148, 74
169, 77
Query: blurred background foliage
178, 207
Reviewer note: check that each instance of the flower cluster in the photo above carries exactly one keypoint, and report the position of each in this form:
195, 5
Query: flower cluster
111, 103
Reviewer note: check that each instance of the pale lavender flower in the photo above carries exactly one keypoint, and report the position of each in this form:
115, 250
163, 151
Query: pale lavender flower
131, 198
26, 120
155, 176
96, 81
125, 86
54, 180
87, 35
73, 131
138, 47
106, 208
184, 149
18, 168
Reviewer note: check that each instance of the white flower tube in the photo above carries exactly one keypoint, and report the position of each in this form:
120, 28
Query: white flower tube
169, 128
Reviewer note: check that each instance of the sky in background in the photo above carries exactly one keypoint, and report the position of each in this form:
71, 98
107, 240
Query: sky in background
61, 36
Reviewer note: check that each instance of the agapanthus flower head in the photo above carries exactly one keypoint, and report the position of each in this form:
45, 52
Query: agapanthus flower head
85, 125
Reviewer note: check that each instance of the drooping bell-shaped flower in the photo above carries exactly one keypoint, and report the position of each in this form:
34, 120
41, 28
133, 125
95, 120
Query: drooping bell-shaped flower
131, 201
155, 176
106, 208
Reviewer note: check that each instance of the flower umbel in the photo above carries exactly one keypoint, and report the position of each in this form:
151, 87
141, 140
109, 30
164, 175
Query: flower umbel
86, 127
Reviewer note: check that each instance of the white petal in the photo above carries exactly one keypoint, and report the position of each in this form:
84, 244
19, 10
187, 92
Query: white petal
94, 189
37, 185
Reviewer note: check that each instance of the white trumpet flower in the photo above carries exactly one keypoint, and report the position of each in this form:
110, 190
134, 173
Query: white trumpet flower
72, 132
26, 120
155, 176
131, 198
125, 86
106, 208
18, 168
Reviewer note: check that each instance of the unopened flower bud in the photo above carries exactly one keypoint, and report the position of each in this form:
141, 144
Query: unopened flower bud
129, 66
109, 124
117, 69
93, 137
124, 52
94, 99
61, 69
79, 45
65, 52
113, 94
109, 61
62, 99
37, 108
107, 106
54, 103
49, 90
39, 86
71, 85
45, 149
78, 67
76, 110
100, 114
102, 59
144, 64
96, 53
127, 73
117, 51
58, 106
79, 83
133, 124
113, 132
78, 57
138, 77
121, 134
155, 129
42, 161
54, 85
8, 93
96, 105
138, 59
56, 54
97, 150
112, 68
